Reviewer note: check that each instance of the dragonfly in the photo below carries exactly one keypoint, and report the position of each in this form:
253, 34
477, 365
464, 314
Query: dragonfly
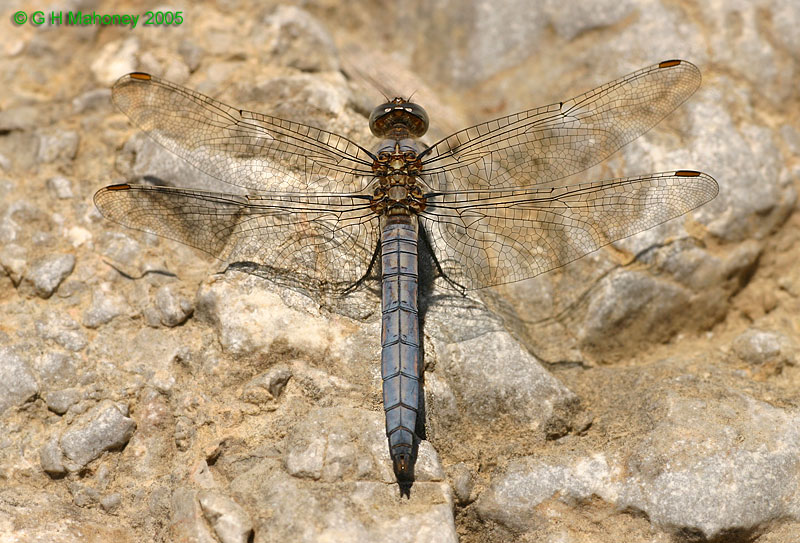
490, 203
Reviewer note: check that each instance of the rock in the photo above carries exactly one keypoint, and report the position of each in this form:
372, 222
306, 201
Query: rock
59, 401
106, 305
46, 273
746, 55
141, 157
230, 522
17, 383
176, 71
111, 502
302, 98
13, 260
292, 37
78, 236
357, 511
428, 465
56, 370
630, 300
462, 482
105, 427
60, 328
513, 498
202, 476
83, 495
333, 444
758, 348
704, 468
122, 252
116, 59
343, 444
491, 381
51, 459
61, 145
61, 187
691, 465
264, 390
173, 308
187, 522
749, 160
23, 117
250, 319
92, 100
191, 53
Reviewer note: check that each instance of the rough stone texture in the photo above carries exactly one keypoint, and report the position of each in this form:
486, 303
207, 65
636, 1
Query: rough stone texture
254, 320
17, 383
57, 145
713, 468
59, 401
62, 330
229, 520
646, 392
46, 273
173, 308
759, 348
103, 428
105, 306
491, 382
292, 37
352, 512
61, 187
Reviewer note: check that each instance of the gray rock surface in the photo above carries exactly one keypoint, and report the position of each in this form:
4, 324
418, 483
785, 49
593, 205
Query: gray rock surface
17, 382
59, 401
229, 520
759, 348
292, 37
173, 308
694, 466
492, 382
105, 427
62, 330
105, 306
46, 273
61, 187
57, 145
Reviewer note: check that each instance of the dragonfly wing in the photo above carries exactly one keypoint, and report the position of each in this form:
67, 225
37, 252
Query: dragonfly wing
490, 237
543, 145
316, 241
239, 147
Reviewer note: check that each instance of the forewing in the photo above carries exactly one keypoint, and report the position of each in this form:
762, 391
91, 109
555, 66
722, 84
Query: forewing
240, 147
485, 238
543, 145
322, 242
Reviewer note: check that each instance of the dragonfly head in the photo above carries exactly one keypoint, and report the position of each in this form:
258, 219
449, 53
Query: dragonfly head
398, 119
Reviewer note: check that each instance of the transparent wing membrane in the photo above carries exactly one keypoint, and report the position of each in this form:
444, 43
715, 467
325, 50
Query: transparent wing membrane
546, 144
498, 209
318, 242
239, 147
490, 237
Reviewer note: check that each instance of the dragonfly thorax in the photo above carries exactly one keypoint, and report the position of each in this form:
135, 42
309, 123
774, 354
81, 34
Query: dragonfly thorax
396, 168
